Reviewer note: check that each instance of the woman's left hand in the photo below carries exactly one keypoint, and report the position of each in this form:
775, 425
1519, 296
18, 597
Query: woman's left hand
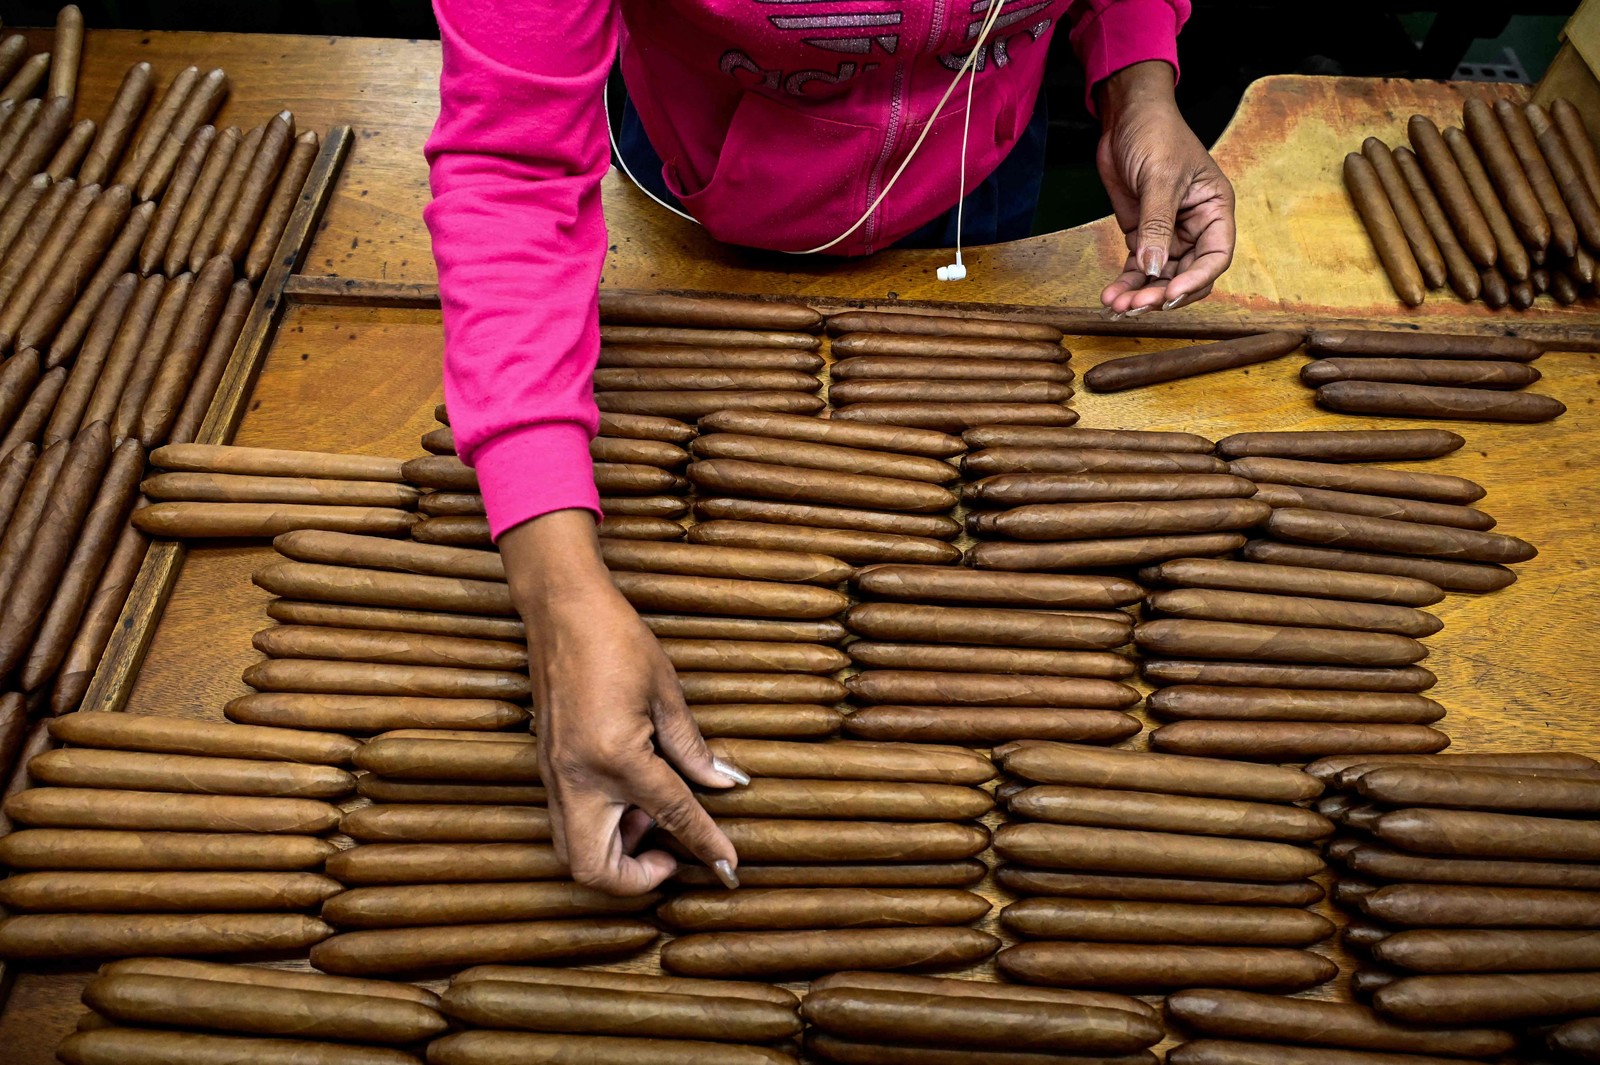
1174, 204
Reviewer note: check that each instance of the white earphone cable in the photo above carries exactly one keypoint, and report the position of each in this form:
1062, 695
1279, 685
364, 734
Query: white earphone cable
605, 102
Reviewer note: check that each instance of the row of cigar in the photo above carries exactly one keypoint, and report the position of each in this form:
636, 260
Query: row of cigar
1505, 209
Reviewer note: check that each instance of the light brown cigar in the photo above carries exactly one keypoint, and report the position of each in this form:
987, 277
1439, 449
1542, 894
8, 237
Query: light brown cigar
1557, 761
106, 935
859, 874
969, 347
275, 216
638, 1013
1009, 459
1228, 575
987, 725
956, 417
260, 177
1343, 445
1443, 171
367, 678
209, 236
1489, 999
27, 78
368, 587
958, 659
215, 458
152, 348
1512, 257
124, 350
1011, 489
821, 486
35, 414
622, 528
637, 506
121, 118
1292, 741
247, 488
1438, 488
634, 479
69, 153
442, 863
13, 51
714, 688
1568, 176
884, 368
1462, 787
875, 800
906, 323
291, 612
940, 584
936, 526
1479, 950
850, 760
774, 954
750, 656
674, 379
54, 118
14, 470
1081, 554
1284, 496
378, 789
61, 202
54, 848
1075, 439
365, 714
190, 212
91, 297
623, 981
1511, 181
447, 824
1101, 808
817, 456
148, 892
639, 427
511, 1048
1157, 968
15, 119
782, 631
1451, 576
714, 595
728, 562
895, 392
1259, 609
1188, 701
657, 308
861, 548
774, 721
173, 380
1135, 371
1059, 763
180, 520
515, 758
370, 645
1458, 906
1175, 923
453, 946
693, 403
1492, 835
774, 909
18, 375
791, 840
986, 626
1432, 401
1082, 521
138, 160
621, 449
1401, 537
85, 767
896, 687
1424, 249
17, 213
27, 514
1463, 373
153, 811
409, 906
99, 619
375, 552
199, 104
1157, 888
670, 356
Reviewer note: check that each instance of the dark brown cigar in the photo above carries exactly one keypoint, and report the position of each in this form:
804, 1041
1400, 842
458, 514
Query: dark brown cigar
1568, 177
707, 338
1329, 768
1037, 436
773, 909
1525, 144
1459, 906
888, 874
1424, 401
748, 955
1511, 181
442, 503
956, 659
1274, 643
1102, 808
693, 404
198, 106
1512, 257
1343, 445
1259, 609
1157, 968
955, 417
994, 460
1570, 120
821, 486
1109, 850
450, 947
940, 584
1564, 288
1451, 185
1229, 1052
260, 177
817, 456
1409, 345
1283, 496
711, 595
192, 214
938, 325
1175, 923
850, 1052
1013, 489
885, 686
1083, 521
1467, 373
1384, 229
686, 627
982, 625
1462, 787
978, 390
275, 218
1401, 537
1186, 701
1157, 888
1496, 290
1056, 763
808, 516
1489, 999
641, 427
770, 721
1581, 1037
1463, 274
1424, 249
968, 347
1291, 741
653, 308
856, 548
847, 760
1482, 950
671, 356
1451, 576
1290, 580
893, 367
1439, 488
667, 379
1471, 834
988, 725
602, 449
733, 562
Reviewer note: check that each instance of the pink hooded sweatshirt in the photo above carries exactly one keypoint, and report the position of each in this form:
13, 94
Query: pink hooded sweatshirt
778, 122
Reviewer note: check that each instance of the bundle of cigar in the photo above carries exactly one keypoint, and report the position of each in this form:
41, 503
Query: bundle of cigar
1477, 883
674, 357
171, 836
453, 865
1506, 210
864, 1018
1427, 375
509, 1014
1154, 872
167, 1009
852, 855
946, 373
1067, 499
862, 493
636, 457
953, 655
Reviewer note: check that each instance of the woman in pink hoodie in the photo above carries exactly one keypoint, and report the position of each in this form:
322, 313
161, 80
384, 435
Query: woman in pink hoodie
778, 124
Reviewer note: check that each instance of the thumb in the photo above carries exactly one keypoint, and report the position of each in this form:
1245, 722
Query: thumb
1159, 196
683, 747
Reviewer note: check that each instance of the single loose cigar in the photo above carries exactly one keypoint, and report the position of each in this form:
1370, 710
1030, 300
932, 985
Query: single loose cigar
849, 1052
1282, 496
691, 403
183, 520
1135, 371
1424, 249
275, 217
1059, 763
939, 584
956, 416
54, 848
1491, 950
1011, 489
753, 656
849, 760
409, 906
65, 53
1106, 850
816, 456
821, 486
1459, 203
1464, 373
658, 308
443, 947
671, 356
931, 688
147, 892
509, 758
78, 935
1292, 741
1186, 701
988, 725
1512, 257
1175, 923
750, 955
1401, 537
854, 548
108, 1046
1438, 488
208, 237
907, 323
620, 449
621, 528
1461, 906
20, 209
1157, 888
1492, 835
1228, 575
969, 347
1158, 968
807, 516
15, 119
260, 175
986, 626
900, 368
87, 767
676, 379
1451, 576
728, 562
1276, 643
1229, 1052
1486, 789
1510, 180
1263, 609
632, 426
874, 800
1102, 808
774, 721
1343, 445
188, 214
776, 909
859, 874
504, 1048
154, 811
371, 645
1429, 401
634, 479
1027, 459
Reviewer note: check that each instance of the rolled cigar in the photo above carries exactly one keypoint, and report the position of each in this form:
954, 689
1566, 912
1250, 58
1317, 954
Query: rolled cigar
1579, 1038
99, 619
753, 656
1450, 786
1263, 609
191, 214
88, 767
185, 176
52, 848
623, 981
1284, 496
1493, 835
959, 659
121, 118
365, 714
405, 758
888, 874
1533, 226
1275, 643
1081, 521
54, 117
69, 153
36, 413
146, 362
260, 176
956, 416
1292, 741
712, 595
633, 479
875, 800
67, 416
717, 688
290, 611
14, 470
691, 403
1010, 489
821, 486
15, 118
771, 954
1244, 1015
1281, 704
883, 368
780, 630
176, 377
370, 587
775, 909
774, 721
18, 375
1401, 537
1377, 861
1101, 808
917, 688
199, 104
935, 526
671, 356
1135, 371
1451, 186
247, 488
1228, 575
1496, 291
1418, 345
978, 390
344, 549
60, 936
1218, 1051
986, 626
137, 1046
818, 456
988, 992
1564, 288
410, 906
1424, 249
30, 507
1431, 401
1058, 591
1438, 488
1451, 576
1512, 257
84, 314
48, 233
1076, 439
1056, 763
789, 840
1526, 762
275, 216
24, 205
443, 863
1460, 906
845, 545
1570, 121
208, 238
1462, 373
1488, 999
1568, 176
378, 789
1008, 459
987, 725
148, 892
907, 323
61, 281
620, 449
124, 350
1172, 923
394, 648
710, 561
1492, 950
1343, 445
186, 520
849, 1052
505, 1048
621, 528
1104, 850
1161, 968
1157, 888
453, 946
948, 346
155, 811
1389, 236
464, 504
848, 760
670, 379
656, 308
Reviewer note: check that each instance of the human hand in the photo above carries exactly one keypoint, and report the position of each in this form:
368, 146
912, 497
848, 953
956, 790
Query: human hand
606, 700
1174, 204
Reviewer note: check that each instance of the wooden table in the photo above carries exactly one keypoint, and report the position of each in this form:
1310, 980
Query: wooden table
1517, 668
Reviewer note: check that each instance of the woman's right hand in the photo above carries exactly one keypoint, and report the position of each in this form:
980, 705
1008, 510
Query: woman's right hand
616, 739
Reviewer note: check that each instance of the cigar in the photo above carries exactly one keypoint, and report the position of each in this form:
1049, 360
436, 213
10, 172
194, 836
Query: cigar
371, 645
60, 286
175, 379
1027, 459
71, 150
635, 479
378, 789
92, 321
621, 450
1496, 290
443, 863
55, 848
1260, 609
772, 721
368, 714
907, 323
855, 548
1451, 576
275, 217
1219, 1051
823, 457
1413, 510
1011, 489
987, 626
82, 935
1227, 575
146, 811
670, 356
656, 308
955, 659
121, 355
254, 520
1102, 808
137, 161
1408, 215
1564, 288
1105, 850
884, 368
937, 584
99, 619
1488, 999
21, 209
945, 987
208, 238
148, 892
947, 346
777, 909
15, 119
1158, 968
935, 526
260, 176
983, 726
846, 760
1582, 1036
728, 562
749, 955
1292, 741
88, 767
691, 404
1512, 257
1437, 488
1146, 519
108, 1045
28, 511
46, 253
121, 118
1174, 923
1156, 888
1188, 701
1460, 906
401, 950
624, 981
1487, 950
470, 504
497, 1048
1510, 180
370, 587
848, 1052
780, 630
892, 391
18, 375
189, 215
14, 470
657, 529
379, 553
718, 688
821, 486
1492, 835
199, 104
931, 688
55, 115
1487, 789
1343, 445
1380, 862
1054, 763
1451, 185
1402, 537
1076, 439
752, 656
146, 363
859, 874
513, 759
841, 799
715, 595
410, 906
293, 612
1570, 121
36, 413
955, 416
453, 532
671, 379
1527, 763
1275, 643
1136, 371
634, 427
1430, 401
1461, 373
248, 488
1415, 345
1567, 174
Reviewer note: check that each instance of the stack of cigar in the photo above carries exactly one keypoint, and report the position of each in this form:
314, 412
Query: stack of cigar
1477, 882
889, 1019
1153, 872
636, 457
1287, 663
677, 357
950, 655
453, 865
1096, 498
167, 1009
852, 855
161, 835
946, 373
518, 1014
862, 493
1328, 512
1246, 1028
1427, 375
1506, 210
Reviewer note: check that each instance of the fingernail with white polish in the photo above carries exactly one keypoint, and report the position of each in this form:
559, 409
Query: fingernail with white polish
738, 776
1151, 263
1167, 306
1137, 311
725, 873
1115, 316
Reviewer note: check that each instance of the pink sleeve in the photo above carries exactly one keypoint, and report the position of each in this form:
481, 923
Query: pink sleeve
515, 162
1108, 35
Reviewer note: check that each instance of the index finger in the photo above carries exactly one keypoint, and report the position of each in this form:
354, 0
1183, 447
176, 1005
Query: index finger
661, 793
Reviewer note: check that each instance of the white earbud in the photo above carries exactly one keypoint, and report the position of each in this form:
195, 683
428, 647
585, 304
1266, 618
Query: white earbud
956, 271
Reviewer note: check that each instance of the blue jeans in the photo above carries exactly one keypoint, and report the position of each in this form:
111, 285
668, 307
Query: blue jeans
1001, 208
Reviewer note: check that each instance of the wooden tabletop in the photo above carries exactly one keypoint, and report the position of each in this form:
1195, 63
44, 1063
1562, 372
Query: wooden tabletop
1516, 668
